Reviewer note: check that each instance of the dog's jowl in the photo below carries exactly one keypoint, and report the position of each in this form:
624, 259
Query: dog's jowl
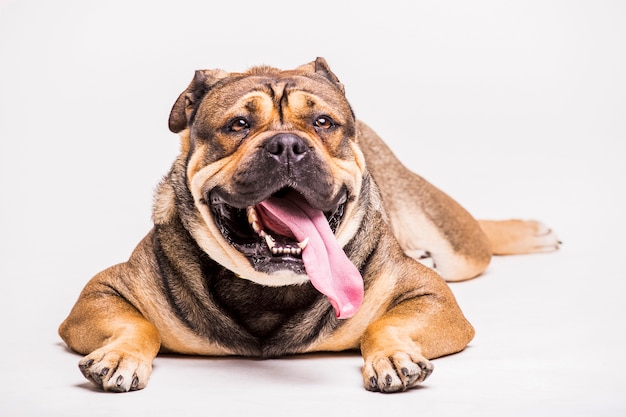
287, 226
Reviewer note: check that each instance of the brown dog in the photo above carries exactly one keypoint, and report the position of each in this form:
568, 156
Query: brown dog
287, 226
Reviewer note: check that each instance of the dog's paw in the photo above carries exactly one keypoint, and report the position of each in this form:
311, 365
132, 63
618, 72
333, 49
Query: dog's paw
397, 372
541, 237
510, 237
116, 371
422, 256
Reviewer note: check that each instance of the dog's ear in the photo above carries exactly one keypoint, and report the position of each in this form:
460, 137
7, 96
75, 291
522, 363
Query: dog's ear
202, 82
320, 66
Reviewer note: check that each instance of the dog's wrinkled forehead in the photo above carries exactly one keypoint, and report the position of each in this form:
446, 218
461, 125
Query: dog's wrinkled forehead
216, 93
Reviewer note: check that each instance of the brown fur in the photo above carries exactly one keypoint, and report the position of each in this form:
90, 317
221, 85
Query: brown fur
187, 288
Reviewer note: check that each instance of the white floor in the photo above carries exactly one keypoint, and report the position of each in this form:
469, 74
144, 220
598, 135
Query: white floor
514, 110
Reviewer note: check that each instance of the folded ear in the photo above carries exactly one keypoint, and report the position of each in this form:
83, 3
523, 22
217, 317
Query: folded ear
187, 101
320, 66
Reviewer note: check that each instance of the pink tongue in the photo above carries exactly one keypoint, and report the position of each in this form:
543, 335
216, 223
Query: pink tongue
326, 264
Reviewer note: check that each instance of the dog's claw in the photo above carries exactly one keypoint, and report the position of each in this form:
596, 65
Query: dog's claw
373, 384
401, 372
426, 369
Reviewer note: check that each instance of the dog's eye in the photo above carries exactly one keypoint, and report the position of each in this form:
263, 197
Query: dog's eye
238, 125
324, 122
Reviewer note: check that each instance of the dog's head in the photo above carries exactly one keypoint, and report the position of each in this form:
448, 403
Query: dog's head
275, 172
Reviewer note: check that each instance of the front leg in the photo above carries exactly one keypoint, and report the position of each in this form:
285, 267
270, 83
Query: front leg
119, 342
397, 347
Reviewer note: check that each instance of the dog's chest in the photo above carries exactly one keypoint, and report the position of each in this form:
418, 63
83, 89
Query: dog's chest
239, 315
281, 320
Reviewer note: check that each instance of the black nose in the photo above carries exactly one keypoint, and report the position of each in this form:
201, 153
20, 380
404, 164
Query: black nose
286, 148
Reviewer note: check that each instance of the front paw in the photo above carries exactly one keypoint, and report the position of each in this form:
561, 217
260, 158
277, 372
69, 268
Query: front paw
397, 372
115, 370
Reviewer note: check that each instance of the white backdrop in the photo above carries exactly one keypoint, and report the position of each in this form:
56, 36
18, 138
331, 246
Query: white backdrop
516, 109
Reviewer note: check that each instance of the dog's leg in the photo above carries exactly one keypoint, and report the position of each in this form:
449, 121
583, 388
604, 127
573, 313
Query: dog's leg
119, 342
396, 347
425, 221
511, 237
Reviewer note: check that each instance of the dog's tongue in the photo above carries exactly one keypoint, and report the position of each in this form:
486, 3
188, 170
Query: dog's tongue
326, 264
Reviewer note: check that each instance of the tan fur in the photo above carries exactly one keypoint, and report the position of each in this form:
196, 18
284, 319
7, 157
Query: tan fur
187, 288
513, 237
460, 246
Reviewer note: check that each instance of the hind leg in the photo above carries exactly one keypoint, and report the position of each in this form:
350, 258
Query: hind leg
429, 225
434, 229
511, 237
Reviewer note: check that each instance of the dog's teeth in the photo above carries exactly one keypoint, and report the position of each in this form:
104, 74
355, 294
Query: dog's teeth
303, 244
252, 216
283, 250
253, 219
270, 241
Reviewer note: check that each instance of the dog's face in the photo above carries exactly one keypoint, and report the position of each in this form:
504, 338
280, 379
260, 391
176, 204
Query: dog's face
274, 169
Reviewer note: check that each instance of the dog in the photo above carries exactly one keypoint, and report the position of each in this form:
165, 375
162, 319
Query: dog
287, 226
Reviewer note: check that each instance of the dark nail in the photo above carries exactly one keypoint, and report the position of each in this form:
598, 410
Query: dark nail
388, 380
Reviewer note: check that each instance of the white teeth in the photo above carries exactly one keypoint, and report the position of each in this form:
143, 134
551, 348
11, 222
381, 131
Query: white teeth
285, 250
303, 244
251, 212
253, 219
269, 240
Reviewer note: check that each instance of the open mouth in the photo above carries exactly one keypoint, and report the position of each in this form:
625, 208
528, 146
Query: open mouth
284, 232
265, 239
